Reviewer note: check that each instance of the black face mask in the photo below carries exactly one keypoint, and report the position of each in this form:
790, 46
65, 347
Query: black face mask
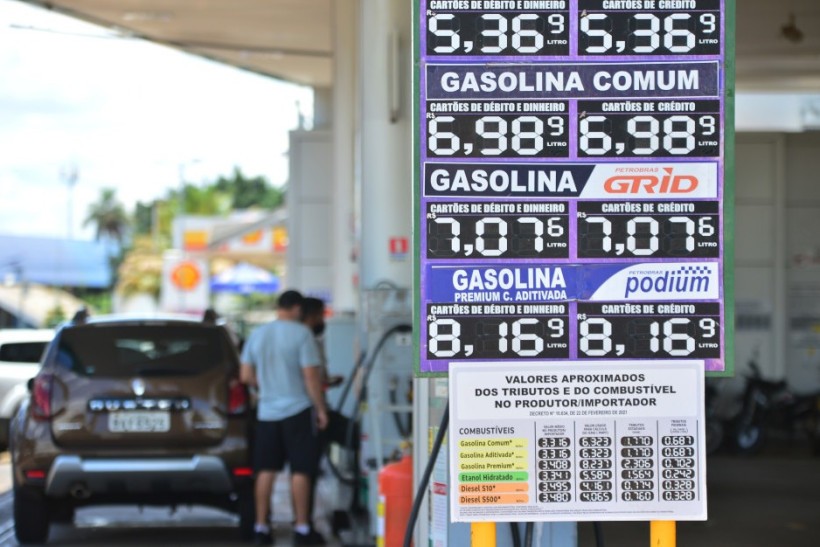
318, 329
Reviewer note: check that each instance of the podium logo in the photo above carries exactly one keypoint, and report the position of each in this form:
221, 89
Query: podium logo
686, 280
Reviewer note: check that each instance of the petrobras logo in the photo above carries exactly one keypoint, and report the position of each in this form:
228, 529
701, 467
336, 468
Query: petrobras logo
653, 181
658, 282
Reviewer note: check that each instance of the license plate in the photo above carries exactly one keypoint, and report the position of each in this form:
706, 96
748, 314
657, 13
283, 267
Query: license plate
139, 422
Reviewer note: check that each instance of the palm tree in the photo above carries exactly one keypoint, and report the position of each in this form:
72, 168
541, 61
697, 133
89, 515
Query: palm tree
108, 216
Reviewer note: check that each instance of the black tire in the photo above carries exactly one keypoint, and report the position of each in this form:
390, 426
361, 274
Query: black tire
246, 510
62, 512
714, 436
749, 439
5, 432
31, 516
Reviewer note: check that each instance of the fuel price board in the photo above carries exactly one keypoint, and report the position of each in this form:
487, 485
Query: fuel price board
572, 190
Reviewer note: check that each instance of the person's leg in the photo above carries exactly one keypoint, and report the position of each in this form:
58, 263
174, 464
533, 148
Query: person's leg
263, 490
300, 485
303, 454
269, 459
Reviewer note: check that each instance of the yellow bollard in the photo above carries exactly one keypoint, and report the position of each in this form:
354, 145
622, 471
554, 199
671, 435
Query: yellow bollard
482, 534
662, 533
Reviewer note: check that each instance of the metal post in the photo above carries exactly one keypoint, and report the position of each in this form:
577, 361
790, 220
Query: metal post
662, 533
482, 534
69, 175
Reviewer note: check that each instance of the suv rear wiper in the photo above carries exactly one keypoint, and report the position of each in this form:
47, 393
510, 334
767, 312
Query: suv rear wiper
165, 372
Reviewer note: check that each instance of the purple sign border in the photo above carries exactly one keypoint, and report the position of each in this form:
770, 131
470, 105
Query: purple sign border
440, 366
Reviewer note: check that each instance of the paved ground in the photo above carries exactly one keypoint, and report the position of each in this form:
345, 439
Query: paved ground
767, 501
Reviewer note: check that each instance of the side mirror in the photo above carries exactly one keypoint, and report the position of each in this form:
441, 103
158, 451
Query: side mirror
30, 385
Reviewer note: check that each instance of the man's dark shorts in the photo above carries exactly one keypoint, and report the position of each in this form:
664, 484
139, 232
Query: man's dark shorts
293, 440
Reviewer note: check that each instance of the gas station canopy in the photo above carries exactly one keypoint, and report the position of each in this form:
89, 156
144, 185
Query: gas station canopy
778, 43
286, 39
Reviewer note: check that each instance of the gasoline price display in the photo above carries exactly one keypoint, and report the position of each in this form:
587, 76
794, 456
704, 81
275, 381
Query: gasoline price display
542, 30
489, 129
658, 27
497, 331
648, 229
498, 230
652, 129
649, 330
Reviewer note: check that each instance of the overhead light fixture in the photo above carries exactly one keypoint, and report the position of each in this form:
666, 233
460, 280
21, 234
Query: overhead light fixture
147, 16
790, 32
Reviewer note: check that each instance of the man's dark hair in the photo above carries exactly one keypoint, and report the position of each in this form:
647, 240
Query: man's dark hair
312, 306
288, 299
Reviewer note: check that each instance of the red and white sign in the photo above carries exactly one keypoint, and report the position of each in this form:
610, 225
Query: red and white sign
399, 247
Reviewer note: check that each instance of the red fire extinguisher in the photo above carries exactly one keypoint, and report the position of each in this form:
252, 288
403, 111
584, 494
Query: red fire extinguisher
395, 502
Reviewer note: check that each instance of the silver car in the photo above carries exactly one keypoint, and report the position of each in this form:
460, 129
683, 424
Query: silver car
20, 353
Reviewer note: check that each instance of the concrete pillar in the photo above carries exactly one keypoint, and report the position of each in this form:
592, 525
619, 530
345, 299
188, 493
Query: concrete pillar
344, 129
385, 153
323, 107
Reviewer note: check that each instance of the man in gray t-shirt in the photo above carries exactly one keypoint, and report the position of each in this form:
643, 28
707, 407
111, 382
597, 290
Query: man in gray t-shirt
281, 359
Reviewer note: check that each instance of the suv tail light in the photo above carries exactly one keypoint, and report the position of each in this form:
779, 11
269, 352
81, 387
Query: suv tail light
237, 397
41, 397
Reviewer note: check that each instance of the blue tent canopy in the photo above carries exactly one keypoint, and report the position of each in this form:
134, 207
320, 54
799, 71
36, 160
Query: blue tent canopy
245, 278
54, 262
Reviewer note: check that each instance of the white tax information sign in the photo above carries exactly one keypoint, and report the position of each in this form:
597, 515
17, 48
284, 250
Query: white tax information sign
552, 441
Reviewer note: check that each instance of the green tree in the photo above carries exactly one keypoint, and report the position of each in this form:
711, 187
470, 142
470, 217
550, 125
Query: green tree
144, 218
108, 216
205, 200
250, 191
54, 317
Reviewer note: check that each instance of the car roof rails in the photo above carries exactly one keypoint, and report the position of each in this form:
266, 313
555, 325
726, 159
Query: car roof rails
80, 317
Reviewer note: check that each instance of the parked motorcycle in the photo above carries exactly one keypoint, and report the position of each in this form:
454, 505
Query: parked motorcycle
715, 430
771, 405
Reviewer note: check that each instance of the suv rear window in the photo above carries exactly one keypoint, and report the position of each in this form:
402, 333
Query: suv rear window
22, 352
141, 350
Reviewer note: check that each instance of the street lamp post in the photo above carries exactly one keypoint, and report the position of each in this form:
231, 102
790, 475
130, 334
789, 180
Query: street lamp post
182, 209
69, 174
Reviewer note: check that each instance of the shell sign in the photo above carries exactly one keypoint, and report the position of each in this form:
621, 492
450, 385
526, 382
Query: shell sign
185, 287
186, 276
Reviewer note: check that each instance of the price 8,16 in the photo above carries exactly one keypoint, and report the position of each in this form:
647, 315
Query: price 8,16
648, 337
469, 337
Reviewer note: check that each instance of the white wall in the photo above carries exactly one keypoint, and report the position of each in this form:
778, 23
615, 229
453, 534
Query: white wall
777, 245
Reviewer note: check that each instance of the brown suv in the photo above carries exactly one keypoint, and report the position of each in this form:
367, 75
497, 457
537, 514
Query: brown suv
132, 411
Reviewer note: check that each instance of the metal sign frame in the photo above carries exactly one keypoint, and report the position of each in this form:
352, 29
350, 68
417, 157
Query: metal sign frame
578, 273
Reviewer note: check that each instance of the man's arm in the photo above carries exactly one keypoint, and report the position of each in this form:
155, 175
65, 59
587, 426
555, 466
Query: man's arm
247, 375
313, 383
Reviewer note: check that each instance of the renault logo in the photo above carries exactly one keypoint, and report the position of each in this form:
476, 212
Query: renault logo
138, 386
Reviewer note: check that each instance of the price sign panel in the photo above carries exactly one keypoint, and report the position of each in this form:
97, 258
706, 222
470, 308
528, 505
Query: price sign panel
615, 440
574, 188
